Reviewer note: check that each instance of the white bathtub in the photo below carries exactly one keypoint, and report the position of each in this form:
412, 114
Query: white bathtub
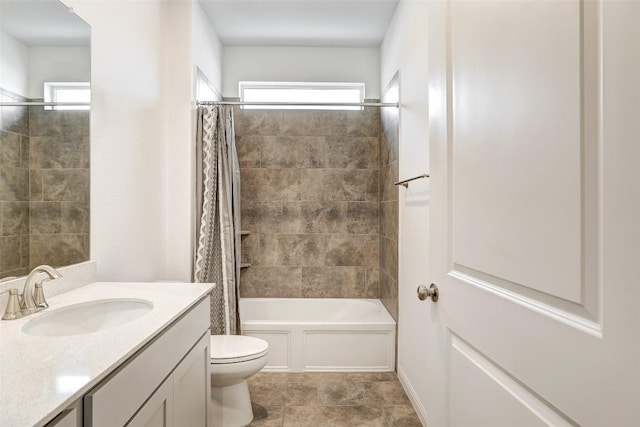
322, 334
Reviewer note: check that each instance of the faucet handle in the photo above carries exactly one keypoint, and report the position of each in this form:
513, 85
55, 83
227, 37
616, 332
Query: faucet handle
13, 305
38, 296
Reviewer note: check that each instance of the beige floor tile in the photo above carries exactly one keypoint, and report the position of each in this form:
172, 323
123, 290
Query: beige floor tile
342, 393
306, 415
386, 392
343, 416
371, 376
298, 394
267, 416
301, 377
266, 394
306, 424
358, 416
402, 416
330, 400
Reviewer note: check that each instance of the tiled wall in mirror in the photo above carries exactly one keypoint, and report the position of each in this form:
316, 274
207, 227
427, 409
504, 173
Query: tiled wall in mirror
44, 151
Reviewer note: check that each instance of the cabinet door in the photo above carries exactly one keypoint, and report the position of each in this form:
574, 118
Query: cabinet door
158, 410
191, 389
67, 418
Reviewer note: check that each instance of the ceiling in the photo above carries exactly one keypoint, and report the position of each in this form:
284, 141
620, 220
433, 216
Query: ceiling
341, 23
43, 23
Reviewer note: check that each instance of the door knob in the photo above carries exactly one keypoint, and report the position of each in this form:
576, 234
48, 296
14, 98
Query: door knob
430, 292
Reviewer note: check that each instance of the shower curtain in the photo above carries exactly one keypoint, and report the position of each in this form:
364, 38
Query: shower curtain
217, 258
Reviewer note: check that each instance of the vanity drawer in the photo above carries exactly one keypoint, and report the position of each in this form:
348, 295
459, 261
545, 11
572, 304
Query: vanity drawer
116, 399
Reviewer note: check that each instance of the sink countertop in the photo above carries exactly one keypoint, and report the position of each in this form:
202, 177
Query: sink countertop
41, 376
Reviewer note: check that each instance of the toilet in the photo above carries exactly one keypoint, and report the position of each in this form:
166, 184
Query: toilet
234, 358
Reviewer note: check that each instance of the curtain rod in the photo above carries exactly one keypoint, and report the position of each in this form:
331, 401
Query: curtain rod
44, 104
303, 104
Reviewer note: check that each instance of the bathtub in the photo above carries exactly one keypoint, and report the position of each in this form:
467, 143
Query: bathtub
322, 334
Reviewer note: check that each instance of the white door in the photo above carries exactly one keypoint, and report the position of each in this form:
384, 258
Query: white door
535, 128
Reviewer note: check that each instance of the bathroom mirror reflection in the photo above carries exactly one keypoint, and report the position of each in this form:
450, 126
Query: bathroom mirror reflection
44, 150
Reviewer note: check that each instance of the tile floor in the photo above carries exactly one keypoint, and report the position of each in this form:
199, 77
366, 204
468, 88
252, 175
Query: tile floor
330, 400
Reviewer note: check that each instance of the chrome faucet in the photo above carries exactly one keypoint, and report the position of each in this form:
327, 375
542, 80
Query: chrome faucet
32, 295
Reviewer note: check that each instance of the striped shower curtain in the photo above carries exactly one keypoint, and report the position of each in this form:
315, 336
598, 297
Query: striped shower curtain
218, 184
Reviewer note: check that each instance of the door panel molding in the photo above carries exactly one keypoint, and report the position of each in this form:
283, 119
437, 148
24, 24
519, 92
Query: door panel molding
567, 312
518, 401
567, 284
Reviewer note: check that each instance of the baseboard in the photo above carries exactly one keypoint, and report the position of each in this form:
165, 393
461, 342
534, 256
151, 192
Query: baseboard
413, 396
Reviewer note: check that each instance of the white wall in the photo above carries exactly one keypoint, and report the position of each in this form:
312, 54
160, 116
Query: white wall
405, 49
58, 64
128, 140
25, 68
14, 57
142, 161
206, 48
191, 42
328, 64
179, 166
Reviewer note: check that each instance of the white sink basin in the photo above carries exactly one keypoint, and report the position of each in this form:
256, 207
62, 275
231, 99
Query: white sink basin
87, 317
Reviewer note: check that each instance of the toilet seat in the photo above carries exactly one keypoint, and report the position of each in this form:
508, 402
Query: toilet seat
236, 348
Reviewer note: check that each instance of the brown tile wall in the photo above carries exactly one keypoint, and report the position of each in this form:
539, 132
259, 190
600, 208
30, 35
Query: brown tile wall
310, 198
14, 187
44, 187
389, 200
59, 186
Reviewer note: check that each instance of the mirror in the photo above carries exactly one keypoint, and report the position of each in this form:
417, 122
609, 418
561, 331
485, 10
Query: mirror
44, 150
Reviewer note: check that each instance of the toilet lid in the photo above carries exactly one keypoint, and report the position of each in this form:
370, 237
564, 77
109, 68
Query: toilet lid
236, 348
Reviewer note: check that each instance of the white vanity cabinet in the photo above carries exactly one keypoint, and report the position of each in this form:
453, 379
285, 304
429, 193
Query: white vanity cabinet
68, 418
116, 368
158, 410
182, 399
192, 386
166, 383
